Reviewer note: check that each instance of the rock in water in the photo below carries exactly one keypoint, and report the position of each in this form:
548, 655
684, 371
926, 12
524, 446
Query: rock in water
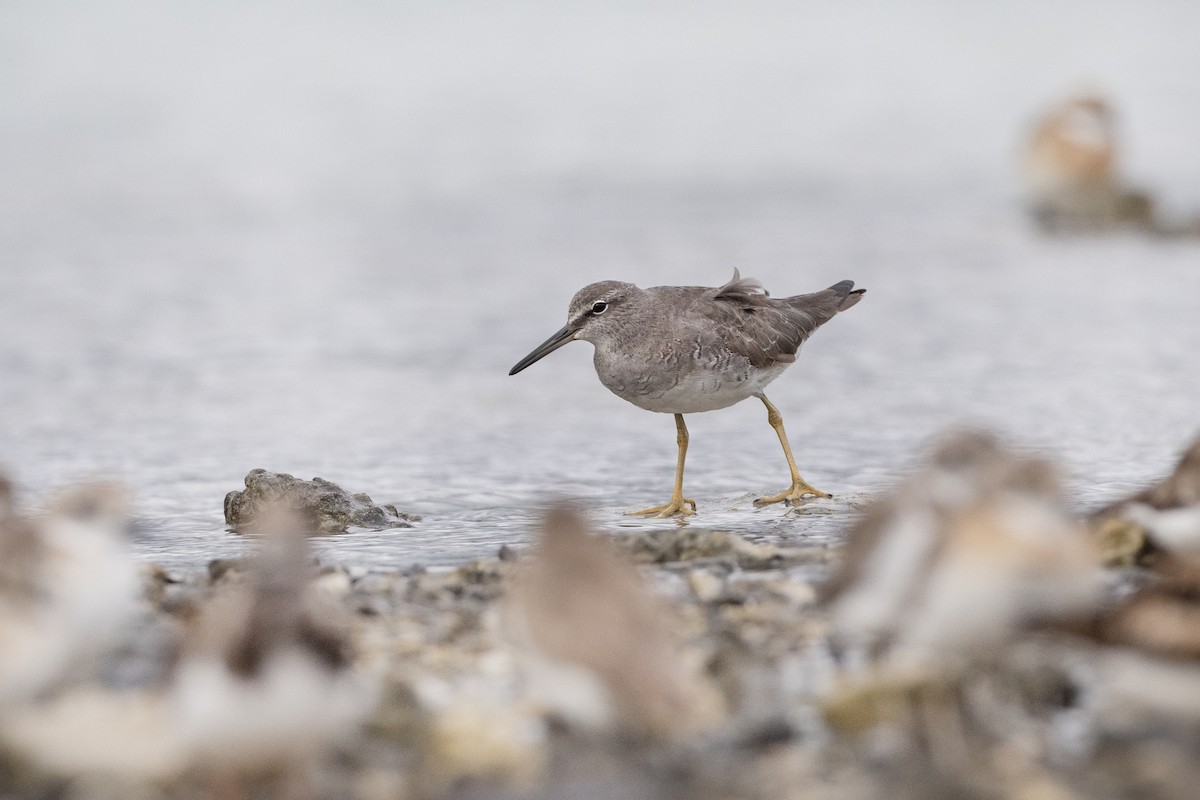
331, 507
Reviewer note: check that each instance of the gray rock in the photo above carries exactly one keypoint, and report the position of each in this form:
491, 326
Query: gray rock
1106, 209
332, 508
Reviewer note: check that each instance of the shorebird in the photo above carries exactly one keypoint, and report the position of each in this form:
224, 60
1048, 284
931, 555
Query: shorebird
965, 552
1073, 149
67, 588
940, 580
1072, 174
263, 686
266, 682
580, 604
685, 349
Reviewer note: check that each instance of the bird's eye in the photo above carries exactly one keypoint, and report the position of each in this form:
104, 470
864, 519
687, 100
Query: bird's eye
599, 307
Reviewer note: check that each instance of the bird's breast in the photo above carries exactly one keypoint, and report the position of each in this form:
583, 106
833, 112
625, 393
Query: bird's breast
684, 384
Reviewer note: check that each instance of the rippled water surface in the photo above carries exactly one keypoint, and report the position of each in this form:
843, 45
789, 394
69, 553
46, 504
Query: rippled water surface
316, 243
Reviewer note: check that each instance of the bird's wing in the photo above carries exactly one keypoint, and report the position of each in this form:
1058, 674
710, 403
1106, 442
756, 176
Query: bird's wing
768, 331
739, 287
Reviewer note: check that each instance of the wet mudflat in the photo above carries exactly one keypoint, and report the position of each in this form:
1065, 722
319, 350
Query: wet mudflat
730, 679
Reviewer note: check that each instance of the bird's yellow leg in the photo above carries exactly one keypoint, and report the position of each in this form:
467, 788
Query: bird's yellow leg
800, 487
678, 503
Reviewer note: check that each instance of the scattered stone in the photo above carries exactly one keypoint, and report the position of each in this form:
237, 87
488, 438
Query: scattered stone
1162, 519
375, 583
335, 582
693, 544
331, 508
470, 742
794, 592
157, 584
399, 717
705, 585
156, 573
221, 568
1121, 542
700, 544
860, 705
481, 573
462, 713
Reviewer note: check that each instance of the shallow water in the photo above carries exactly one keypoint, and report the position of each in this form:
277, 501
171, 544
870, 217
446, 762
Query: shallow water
324, 262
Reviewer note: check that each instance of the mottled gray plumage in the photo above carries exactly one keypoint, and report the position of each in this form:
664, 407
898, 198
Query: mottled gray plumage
685, 349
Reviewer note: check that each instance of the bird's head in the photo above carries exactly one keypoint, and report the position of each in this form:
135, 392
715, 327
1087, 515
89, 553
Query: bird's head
595, 310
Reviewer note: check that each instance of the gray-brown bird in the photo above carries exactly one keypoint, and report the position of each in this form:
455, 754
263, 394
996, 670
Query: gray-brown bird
968, 550
67, 588
685, 349
580, 604
266, 683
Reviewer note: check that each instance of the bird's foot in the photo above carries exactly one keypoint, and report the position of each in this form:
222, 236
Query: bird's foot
792, 496
678, 505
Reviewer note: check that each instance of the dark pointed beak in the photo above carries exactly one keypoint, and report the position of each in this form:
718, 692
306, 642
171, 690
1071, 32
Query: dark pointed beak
545, 348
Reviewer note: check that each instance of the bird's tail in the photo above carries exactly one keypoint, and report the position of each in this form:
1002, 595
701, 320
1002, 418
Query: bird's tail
828, 302
848, 294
